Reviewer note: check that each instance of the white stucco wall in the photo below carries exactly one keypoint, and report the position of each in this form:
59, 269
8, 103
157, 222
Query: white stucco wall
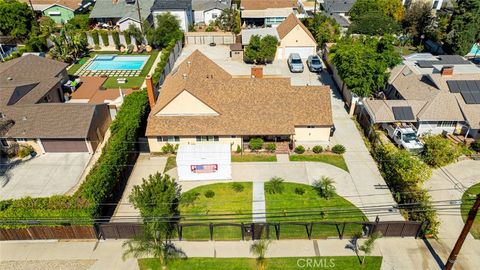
432, 128
198, 16
156, 146
183, 16
210, 14
309, 137
126, 23
296, 38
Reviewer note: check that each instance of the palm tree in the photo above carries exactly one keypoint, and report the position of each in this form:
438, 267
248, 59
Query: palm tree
259, 248
325, 187
368, 245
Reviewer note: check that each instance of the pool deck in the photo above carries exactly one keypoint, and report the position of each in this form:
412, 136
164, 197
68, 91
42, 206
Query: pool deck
89, 91
83, 71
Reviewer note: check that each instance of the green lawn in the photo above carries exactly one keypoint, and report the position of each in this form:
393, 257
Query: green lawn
171, 163
332, 159
291, 263
467, 201
286, 207
111, 83
254, 158
225, 203
75, 67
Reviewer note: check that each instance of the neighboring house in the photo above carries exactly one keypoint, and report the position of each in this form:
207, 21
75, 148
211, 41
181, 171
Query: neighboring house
293, 37
338, 10
207, 11
182, 9
202, 103
121, 12
441, 95
268, 13
31, 95
436, 4
59, 10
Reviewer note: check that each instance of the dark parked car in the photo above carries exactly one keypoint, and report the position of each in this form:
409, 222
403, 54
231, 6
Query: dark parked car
314, 63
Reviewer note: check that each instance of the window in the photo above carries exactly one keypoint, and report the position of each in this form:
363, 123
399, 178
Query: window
21, 140
310, 126
54, 13
233, 136
168, 139
4, 142
446, 124
435, 4
207, 138
47, 98
214, 16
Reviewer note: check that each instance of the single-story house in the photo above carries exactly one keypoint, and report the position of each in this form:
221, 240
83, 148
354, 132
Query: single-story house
442, 93
207, 11
293, 37
338, 10
202, 103
31, 96
121, 13
61, 11
267, 13
182, 9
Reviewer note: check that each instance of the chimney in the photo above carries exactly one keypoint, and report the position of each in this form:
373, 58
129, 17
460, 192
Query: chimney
150, 91
257, 72
447, 71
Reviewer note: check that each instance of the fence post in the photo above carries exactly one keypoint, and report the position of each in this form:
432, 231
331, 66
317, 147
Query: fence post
179, 230
277, 231
309, 230
338, 231
243, 231
343, 231
211, 231
267, 230
403, 229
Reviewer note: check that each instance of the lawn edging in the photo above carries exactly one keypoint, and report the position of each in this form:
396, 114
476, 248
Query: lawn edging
468, 199
332, 159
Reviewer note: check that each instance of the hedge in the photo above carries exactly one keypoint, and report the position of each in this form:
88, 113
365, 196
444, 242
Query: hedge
128, 39
116, 39
163, 61
86, 203
104, 35
95, 38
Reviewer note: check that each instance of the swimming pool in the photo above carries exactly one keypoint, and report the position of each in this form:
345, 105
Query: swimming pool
115, 62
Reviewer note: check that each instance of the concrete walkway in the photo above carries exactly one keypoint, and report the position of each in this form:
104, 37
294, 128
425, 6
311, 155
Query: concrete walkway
449, 183
365, 174
258, 202
398, 253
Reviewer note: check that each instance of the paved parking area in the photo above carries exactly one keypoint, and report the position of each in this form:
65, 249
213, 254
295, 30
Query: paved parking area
221, 55
44, 175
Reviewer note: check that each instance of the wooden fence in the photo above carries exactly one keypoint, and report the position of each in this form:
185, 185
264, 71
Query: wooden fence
49, 232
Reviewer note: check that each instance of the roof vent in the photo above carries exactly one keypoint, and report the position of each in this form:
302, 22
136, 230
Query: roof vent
185, 76
24, 118
189, 63
9, 78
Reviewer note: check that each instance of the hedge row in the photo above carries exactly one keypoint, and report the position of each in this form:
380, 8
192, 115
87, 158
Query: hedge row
163, 61
99, 184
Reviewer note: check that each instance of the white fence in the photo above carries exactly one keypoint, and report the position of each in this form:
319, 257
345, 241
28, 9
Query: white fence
226, 38
111, 43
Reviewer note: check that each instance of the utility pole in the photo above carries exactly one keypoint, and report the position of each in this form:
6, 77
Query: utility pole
461, 238
140, 17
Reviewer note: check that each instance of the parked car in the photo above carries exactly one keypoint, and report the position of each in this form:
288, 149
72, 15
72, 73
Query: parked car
295, 63
314, 63
404, 137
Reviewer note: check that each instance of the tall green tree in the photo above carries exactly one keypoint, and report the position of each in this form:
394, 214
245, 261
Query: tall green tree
464, 29
418, 19
168, 28
374, 23
391, 8
16, 19
68, 46
261, 50
157, 199
439, 151
323, 28
79, 21
229, 20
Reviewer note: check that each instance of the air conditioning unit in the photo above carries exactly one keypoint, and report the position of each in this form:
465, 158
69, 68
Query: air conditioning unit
130, 1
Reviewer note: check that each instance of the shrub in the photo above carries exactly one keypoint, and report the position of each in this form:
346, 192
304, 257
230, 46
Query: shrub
104, 35
299, 190
299, 149
95, 37
476, 145
210, 28
239, 149
237, 187
271, 147
24, 150
163, 61
209, 193
116, 39
128, 39
170, 148
325, 187
338, 149
275, 185
255, 144
189, 198
439, 151
317, 149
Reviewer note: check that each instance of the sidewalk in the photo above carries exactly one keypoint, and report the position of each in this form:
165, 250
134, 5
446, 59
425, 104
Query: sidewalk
398, 253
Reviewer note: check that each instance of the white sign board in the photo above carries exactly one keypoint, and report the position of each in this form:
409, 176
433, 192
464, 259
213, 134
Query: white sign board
204, 162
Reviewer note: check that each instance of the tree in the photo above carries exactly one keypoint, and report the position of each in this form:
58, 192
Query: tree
259, 249
464, 28
392, 8
362, 63
47, 25
275, 185
323, 28
157, 199
134, 31
374, 23
439, 151
362, 7
418, 19
68, 46
261, 50
229, 20
168, 28
79, 21
16, 19
368, 246
325, 187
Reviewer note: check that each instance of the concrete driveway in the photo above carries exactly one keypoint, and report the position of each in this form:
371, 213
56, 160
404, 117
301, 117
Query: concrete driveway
44, 175
449, 183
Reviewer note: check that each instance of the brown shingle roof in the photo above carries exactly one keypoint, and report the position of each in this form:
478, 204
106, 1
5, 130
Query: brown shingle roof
264, 4
72, 4
246, 106
289, 24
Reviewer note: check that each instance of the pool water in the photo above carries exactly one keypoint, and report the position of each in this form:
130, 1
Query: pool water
115, 62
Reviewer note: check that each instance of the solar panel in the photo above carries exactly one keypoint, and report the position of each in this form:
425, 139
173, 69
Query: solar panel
459, 86
471, 85
468, 97
403, 113
453, 86
476, 97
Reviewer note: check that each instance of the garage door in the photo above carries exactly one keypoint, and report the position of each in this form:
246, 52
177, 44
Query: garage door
67, 145
304, 52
